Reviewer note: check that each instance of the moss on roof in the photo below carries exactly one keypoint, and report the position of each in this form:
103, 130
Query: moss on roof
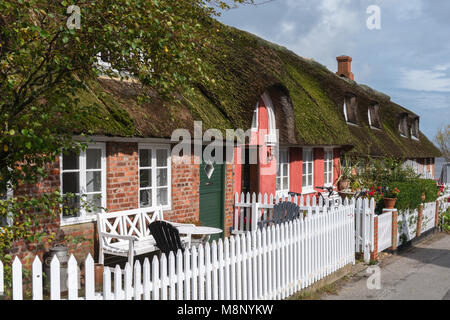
242, 67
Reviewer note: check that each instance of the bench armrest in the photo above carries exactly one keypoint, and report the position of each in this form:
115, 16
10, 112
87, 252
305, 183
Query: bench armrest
116, 236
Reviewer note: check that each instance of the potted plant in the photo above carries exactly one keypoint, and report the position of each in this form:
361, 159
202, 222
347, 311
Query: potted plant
390, 197
346, 174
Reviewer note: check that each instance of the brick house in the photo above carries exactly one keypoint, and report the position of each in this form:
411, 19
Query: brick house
294, 107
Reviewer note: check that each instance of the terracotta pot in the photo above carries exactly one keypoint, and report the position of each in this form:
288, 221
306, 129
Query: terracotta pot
422, 197
344, 184
439, 193
389, 203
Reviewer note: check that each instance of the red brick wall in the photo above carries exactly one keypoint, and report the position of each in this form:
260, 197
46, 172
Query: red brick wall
185, 190
122, 176
25, 250
229, 199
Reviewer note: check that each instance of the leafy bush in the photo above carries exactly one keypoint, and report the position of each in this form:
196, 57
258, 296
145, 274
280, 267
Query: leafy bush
445, 218
411, 192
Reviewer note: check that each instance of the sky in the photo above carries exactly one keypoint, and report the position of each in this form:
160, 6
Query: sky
407, 57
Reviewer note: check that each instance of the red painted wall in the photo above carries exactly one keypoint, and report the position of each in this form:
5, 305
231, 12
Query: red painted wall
295, 169
318, 168
336, 161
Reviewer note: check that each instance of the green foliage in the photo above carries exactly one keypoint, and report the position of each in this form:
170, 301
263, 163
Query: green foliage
411, 192
445, 219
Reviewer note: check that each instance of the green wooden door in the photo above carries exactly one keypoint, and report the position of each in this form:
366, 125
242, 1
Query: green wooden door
212, 196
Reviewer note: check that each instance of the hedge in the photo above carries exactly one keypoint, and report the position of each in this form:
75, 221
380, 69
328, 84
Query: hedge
411, 192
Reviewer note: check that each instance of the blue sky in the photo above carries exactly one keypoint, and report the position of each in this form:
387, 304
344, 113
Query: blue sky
408, 58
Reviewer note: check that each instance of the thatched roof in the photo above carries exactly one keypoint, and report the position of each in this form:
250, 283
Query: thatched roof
308, 101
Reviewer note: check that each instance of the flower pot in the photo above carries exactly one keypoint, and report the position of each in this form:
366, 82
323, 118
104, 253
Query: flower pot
439, 193
389, 203
344, 184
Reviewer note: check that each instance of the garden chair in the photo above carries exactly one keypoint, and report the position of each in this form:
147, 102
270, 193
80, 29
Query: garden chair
282, 212
166, 236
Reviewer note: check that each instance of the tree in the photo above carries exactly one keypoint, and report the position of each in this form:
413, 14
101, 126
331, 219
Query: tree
46, 56
442, 139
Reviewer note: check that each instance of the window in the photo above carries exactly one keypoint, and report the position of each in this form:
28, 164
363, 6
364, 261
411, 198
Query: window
283, 171
372, 114
350, 110
154, 176
403, 125
328, 167
307, 175
84, 176
255, 118
415, 129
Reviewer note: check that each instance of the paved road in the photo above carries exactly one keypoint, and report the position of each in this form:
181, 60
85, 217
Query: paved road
423, 272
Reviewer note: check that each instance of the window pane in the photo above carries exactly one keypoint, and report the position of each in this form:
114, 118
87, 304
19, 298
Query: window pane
161, 177
145, 157
145, 198
71, 182
309, 167
304, 180
145, 178
278, 184
310, 180
285, 183
161, 157
71, 161
93, 159
94, 203
304, 167
71, 207
93, 181
161, 196
278, 170
285, 170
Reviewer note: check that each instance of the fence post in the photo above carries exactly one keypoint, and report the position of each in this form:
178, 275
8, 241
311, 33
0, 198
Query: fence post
374, 253
394, 230
419, 221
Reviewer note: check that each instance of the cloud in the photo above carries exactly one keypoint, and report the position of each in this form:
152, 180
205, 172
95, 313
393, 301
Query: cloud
426, 80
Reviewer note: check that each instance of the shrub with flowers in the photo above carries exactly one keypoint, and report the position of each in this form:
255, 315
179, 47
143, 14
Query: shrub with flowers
392, 193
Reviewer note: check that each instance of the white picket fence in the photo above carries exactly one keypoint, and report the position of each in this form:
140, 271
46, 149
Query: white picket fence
251, 208
271, 263
428, 216
364, 223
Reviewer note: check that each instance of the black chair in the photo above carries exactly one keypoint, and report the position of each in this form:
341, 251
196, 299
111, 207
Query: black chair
166, 236
282, 212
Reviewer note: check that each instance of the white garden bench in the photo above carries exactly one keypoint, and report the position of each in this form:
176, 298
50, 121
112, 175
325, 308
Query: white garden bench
126, 233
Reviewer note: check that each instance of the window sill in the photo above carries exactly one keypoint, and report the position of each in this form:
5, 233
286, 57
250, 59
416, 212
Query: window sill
73, 221
308, 191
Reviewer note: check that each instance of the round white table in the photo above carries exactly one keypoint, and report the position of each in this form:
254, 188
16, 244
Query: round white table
198, 230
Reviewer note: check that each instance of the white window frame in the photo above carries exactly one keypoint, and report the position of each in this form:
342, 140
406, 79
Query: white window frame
256, 114
308, 189
154, 147
345, 110
84, 217
285, 189
325, 151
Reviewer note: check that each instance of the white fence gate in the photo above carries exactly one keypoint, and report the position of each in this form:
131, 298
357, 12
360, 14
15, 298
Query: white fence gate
364, 223
428, 216
271, 263
384, 231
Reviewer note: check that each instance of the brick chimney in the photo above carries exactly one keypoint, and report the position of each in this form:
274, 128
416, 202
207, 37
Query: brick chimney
345, 67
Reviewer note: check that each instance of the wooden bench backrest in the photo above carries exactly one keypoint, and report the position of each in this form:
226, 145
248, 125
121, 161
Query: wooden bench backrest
128, 223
